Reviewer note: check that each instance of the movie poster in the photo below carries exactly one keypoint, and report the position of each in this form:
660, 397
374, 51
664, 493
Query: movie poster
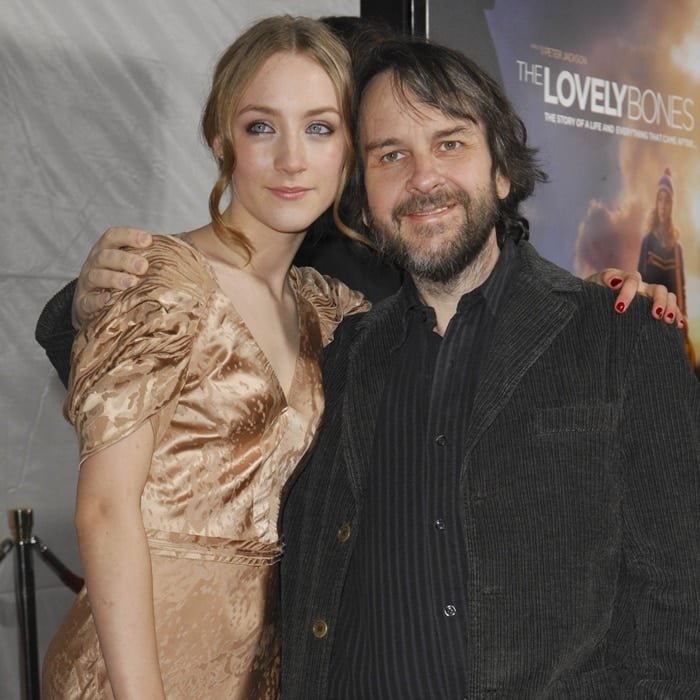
610, 94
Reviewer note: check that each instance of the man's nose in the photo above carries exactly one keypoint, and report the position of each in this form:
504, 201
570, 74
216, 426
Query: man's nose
425, 175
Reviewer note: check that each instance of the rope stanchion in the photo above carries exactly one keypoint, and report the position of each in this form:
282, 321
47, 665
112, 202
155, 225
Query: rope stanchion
67, 577
21, 521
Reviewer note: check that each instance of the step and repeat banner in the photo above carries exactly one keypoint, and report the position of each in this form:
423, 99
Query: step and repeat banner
610, 94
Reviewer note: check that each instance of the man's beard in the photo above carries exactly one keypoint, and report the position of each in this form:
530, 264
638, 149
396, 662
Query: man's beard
458, 249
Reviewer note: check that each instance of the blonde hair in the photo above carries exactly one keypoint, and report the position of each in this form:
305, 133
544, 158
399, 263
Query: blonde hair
667, 236
233, 73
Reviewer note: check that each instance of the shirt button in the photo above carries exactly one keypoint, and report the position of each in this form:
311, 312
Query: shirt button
450, 610
441, 440
344, 532
439, 524
320, 629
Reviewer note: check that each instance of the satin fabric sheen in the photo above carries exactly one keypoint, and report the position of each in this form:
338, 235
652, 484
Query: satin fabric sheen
176, 352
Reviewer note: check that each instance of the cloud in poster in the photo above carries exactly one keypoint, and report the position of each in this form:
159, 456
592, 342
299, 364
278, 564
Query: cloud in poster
686, 55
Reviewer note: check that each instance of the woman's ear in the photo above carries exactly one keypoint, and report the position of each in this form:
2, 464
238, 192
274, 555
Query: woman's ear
217, 148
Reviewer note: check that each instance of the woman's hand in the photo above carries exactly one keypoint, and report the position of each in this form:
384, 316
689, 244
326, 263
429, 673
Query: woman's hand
629, 284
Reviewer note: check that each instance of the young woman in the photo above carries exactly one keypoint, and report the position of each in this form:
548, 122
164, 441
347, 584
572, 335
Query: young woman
196, 393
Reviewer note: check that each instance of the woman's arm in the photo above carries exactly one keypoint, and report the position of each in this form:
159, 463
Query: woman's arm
117, 563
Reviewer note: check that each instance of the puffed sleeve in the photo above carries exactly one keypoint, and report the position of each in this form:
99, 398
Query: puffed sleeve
131, 361
332, 299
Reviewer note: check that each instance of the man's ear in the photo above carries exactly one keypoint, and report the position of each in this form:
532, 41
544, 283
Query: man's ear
502, 185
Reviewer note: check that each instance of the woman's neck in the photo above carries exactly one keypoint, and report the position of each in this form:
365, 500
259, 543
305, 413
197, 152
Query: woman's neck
269, 260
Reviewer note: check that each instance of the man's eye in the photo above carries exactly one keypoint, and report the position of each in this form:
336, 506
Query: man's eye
259, 128
391, 157
450, 145
319, 129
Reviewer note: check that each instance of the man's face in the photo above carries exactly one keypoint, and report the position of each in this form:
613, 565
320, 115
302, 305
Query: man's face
431, 197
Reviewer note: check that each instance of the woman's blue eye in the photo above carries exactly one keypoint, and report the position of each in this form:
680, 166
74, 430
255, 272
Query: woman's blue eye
259, 128
320, 129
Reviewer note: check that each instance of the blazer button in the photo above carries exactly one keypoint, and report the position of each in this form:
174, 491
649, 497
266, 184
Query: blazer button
344, 532
320, 629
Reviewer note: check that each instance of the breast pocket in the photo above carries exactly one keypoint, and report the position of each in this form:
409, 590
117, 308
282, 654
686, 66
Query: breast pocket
576, 453
584, 418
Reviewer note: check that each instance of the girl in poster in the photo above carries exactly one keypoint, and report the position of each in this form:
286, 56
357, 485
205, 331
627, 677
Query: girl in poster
661, 254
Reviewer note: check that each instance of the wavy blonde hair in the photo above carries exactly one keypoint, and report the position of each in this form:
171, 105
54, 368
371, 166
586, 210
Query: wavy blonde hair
669, 236
233, 73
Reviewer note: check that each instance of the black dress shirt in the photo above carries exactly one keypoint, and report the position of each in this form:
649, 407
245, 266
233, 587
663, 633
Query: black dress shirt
402, 631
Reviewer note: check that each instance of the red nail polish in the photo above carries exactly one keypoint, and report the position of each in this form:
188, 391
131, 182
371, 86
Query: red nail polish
681, 323
615, 282
658, 311
670, 315
620, 306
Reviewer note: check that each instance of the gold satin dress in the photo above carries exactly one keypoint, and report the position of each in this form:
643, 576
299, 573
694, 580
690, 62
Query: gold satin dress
175, 351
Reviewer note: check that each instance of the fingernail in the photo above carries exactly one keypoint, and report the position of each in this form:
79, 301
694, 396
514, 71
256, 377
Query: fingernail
658, 311
670, 315
615, 282
681, 323
127, 282
620, 306
143, 237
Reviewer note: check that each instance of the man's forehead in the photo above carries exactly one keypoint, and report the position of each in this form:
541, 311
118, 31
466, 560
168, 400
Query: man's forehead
385, 94
386, 112
384, 90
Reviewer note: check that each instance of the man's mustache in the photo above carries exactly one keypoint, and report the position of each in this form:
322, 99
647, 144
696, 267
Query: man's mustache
420, 202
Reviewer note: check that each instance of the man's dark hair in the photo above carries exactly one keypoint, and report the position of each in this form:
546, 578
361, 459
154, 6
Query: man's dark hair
359, 35
447, 80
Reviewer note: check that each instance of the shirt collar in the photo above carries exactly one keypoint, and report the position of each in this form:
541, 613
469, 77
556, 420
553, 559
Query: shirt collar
492, 290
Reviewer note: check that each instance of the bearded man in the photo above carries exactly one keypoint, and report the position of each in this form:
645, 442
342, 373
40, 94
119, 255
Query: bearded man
492, 509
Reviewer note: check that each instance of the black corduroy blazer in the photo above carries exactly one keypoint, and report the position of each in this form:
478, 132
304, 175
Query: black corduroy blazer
580, 492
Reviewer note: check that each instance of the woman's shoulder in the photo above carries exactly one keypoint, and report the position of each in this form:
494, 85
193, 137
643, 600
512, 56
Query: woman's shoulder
177, 283
172, 256
331, 299
175, 270
319, 288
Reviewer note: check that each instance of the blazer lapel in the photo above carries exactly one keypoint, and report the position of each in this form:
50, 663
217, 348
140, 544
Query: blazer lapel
533, 315
368, 365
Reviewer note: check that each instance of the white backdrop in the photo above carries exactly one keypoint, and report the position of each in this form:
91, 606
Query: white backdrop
99, 110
